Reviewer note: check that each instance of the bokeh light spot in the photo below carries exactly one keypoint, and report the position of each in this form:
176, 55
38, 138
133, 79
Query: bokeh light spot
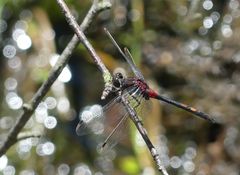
234, 4
63, 105
6, 122
14, 101
215, 16
53, 59
97, 110
208, 22
9, 51
63, 169
190, 153
134, 15
226, 31
50, 122
48, 148
15, 63
51, 102
86, 116
65, 75
189, 166
175, 162
9, 170
24, 42
45, 149
24, 146
41, 112
26, 15
10, 83
21, 24
83, 170
3, 162
207, 4
27, 172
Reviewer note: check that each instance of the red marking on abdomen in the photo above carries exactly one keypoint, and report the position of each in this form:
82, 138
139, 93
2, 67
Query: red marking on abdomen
151, 93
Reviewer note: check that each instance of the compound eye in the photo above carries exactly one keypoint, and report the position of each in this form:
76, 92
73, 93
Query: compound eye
119, 76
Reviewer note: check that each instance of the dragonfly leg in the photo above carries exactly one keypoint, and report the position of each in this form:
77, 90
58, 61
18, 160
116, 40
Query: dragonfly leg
138, 102
133, 95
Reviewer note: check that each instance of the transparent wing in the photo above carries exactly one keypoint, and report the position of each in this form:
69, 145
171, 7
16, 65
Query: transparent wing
114, 135
135, 99
91, 121
127, 56
107, 124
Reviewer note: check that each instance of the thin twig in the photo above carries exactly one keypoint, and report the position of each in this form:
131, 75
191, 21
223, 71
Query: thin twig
29, 108
81, 36
142, 131
26, 135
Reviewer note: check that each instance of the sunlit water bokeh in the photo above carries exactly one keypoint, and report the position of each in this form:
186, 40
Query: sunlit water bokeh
208, 51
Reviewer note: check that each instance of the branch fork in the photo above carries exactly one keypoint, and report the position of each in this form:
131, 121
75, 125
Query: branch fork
28, 108
107, 77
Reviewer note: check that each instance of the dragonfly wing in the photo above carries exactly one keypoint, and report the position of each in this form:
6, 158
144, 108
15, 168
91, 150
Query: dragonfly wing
115, 135
98, 122
81, 127
95, 117
108, 124
127, 56
91, 121
118, 130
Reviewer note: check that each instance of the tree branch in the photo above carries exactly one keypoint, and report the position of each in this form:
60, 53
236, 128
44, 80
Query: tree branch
29, 108
142, 131
81, 36
26, 135
108, 80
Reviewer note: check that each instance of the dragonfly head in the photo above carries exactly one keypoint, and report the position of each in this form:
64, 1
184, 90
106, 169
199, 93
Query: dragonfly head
118, 80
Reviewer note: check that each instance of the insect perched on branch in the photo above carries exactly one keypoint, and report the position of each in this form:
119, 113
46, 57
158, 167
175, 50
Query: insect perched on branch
130, 92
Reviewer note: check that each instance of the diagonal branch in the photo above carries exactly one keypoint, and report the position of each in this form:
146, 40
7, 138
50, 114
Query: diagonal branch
142, 131
72, 22
29, 108
81, 36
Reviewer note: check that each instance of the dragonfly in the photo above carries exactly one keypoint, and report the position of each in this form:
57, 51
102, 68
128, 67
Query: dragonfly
130, 92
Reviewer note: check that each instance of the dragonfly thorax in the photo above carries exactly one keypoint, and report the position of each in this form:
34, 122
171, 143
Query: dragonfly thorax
143, 87
121, 83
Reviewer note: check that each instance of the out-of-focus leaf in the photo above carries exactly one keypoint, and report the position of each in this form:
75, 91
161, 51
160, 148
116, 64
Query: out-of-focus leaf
129, 165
